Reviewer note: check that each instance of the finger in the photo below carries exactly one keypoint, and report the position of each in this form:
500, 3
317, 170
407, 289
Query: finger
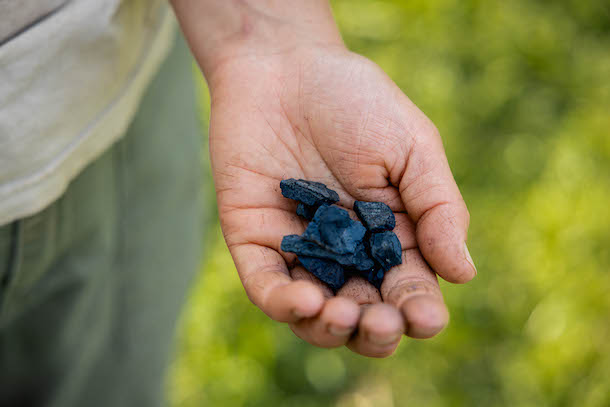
379, 331
299, 273
435, 204
263, 227
413, 289
333, 327
265, 277
405, 231
360, 291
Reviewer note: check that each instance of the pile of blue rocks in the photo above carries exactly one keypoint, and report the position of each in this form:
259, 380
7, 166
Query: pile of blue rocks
335, 247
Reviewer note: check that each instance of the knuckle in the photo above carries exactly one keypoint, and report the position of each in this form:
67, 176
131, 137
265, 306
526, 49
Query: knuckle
406, 289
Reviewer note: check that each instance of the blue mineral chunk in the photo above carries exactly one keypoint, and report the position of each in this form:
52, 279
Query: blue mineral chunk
333, 229
308, 192
327, 271
302, 247
362, 261
386, 249
312, 232
306, 211
376, 216
338, 231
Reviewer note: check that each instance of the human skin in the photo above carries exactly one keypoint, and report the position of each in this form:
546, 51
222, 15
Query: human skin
289, 100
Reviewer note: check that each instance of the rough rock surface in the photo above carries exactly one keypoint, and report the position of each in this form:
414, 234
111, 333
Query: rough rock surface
306, 211
386, 249
327, 271
375, 216
333, 229
308, 192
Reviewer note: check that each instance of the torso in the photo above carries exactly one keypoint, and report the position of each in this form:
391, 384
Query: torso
71, 76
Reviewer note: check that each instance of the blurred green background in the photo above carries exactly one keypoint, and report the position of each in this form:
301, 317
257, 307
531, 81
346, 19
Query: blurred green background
520, 91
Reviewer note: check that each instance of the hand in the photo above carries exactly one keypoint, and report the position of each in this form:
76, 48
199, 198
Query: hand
327, 115
315, 111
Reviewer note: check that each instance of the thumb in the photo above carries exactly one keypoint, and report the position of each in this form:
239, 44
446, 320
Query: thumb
433, 201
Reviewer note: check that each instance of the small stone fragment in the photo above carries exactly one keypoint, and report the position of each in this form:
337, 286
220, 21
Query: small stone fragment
376, 216
306, 211
386, 249
333, 229
361, 259
302, 247
308, 192
327, 271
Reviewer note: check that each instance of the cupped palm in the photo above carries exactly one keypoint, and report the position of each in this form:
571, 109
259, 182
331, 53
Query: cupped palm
327, 115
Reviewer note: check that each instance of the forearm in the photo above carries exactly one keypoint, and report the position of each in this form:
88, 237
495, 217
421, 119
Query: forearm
218, 30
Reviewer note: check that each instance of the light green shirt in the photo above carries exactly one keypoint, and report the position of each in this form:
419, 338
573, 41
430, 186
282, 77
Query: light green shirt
71, 75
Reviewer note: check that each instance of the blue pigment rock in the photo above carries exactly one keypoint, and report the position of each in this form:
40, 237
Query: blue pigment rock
376, 216
333, 229
327, 271
334, 246
361, 260
308, 192
386, 249
301, 247
306, 211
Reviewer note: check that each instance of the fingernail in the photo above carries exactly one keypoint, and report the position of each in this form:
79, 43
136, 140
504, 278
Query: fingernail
385, 339
339, 331
469, 258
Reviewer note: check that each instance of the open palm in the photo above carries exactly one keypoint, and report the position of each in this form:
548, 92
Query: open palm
327, 115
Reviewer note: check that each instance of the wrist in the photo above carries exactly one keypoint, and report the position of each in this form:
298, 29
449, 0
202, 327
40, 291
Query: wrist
222, 32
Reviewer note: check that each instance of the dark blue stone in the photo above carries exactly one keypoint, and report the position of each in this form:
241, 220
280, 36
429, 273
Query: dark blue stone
308, 192
376, 216
386, 249
306, 211
333, 229
327, 271
302, 247
362, 261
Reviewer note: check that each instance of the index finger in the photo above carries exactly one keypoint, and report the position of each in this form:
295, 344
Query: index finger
267, 282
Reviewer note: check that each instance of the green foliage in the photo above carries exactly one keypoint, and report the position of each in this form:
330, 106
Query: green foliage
520, 91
